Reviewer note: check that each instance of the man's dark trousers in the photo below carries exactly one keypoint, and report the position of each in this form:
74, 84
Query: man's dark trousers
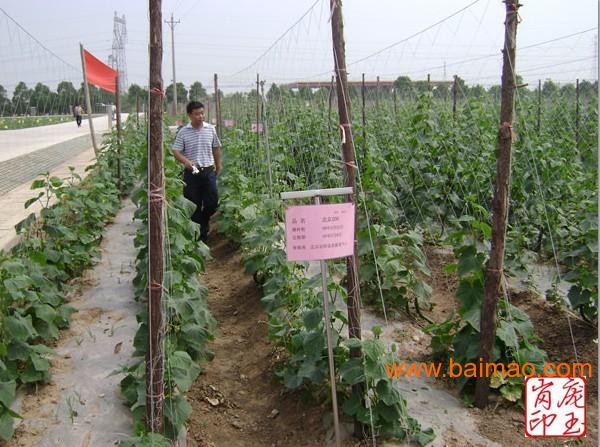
201, 189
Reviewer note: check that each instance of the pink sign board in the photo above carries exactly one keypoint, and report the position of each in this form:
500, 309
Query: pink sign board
315, 232
228, 123
258, 126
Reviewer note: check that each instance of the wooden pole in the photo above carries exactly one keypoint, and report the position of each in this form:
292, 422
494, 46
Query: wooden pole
395, 103
119, 135
88, 102
377, 95
257, 112
263, 120
352, 285
172, 24
428, 82
154, 356
539, 107
364, 117
137, 110
577, 117
217, 107
454, 88
495, 266
330, 100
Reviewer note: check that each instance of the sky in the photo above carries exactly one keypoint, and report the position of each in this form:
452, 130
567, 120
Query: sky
231, 38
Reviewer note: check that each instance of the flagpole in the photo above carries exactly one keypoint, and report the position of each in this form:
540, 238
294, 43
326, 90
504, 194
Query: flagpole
88, 103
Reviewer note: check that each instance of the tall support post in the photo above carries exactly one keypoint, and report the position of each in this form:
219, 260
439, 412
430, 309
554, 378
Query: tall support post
262, 104
364, 117
137, 110
395, 102
377, 94
88, 102
539, 108
154, 356
257, 112
218, 107
577, 115
172, 24
330, 358
330, 100
119, 134
495, 267
352, 285
263, 120
454, 88
428, 82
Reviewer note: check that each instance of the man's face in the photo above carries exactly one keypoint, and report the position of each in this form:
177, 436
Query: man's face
197, 116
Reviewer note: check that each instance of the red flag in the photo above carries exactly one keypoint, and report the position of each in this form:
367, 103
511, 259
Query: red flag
98, 73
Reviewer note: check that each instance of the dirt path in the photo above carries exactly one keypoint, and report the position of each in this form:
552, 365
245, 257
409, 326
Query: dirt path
501, 422
235, 402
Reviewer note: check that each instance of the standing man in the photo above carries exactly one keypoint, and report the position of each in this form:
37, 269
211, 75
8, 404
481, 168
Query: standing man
198, 149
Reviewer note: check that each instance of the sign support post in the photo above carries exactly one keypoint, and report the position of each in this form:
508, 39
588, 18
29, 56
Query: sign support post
327, 318
317, 194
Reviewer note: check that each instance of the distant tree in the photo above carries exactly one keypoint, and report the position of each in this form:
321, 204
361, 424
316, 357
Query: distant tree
274, 93
54, 105
461, 87
182, 94
441, 91
136, 93
477, 91
197, 91
322, 94
5, 104
420, 86
549, 88
20, 99
404, 86
568, 90
587, 89
67, 96
495, 91
99, 98
305, 93
355, 92
221, 95
40, 98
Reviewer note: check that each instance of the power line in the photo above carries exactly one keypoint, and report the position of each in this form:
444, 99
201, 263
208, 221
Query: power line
559, 38
403, 40
487, 56
38, 42
439, 22
279, 38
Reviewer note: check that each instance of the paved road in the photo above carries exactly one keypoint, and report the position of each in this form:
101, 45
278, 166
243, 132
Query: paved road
25, 153
14, 143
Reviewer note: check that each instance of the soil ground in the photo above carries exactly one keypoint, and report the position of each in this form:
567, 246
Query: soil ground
502, 423
235, 402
